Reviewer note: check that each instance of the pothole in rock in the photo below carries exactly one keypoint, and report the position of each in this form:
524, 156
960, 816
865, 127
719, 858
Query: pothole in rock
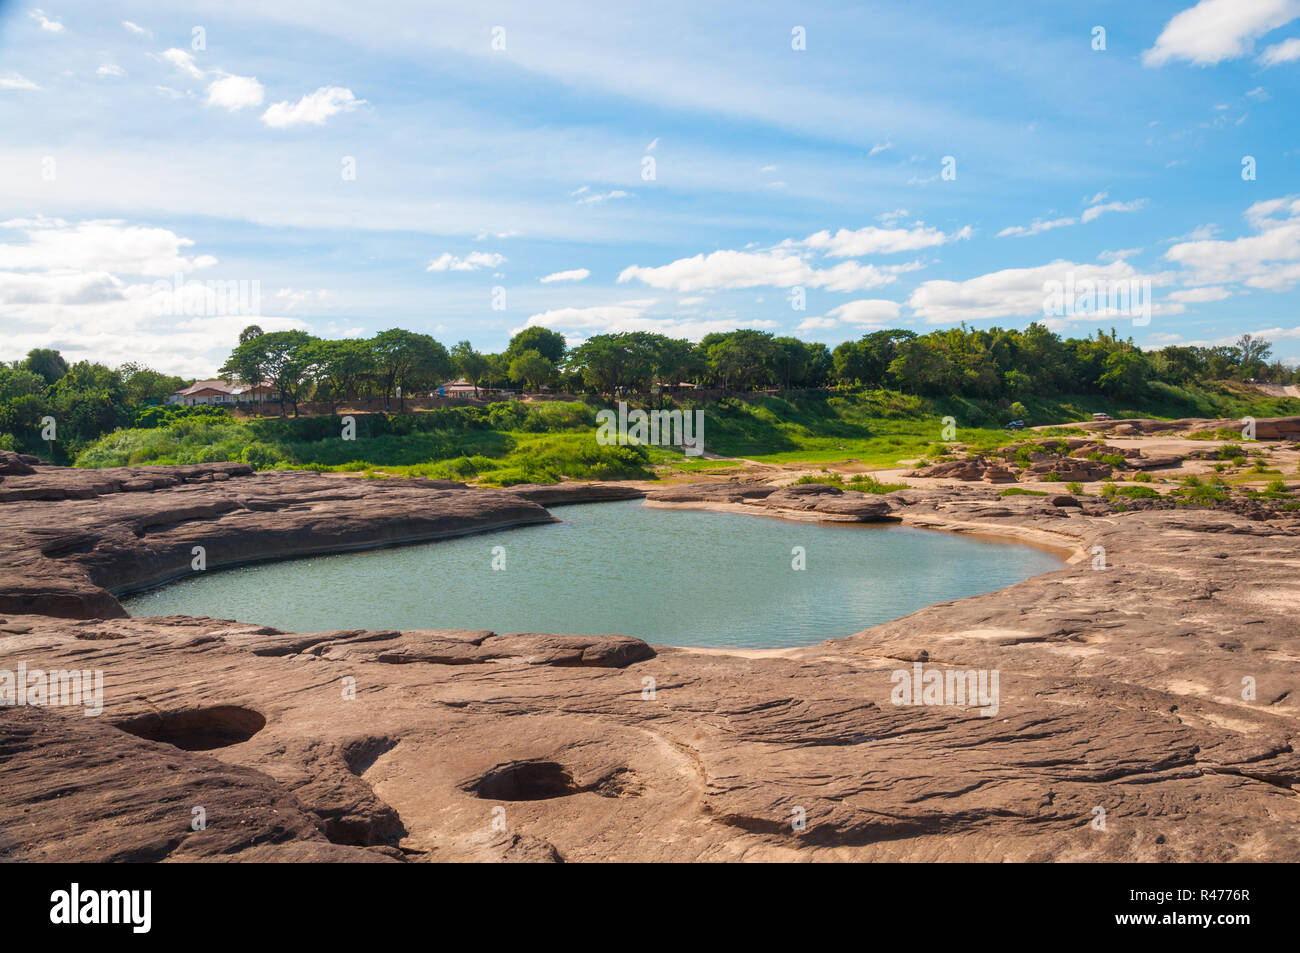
544, 780
199, 729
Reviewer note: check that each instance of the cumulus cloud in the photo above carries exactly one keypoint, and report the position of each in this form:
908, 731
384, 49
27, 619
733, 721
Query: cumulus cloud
1012, 292
312, 109
632, 316
1200, 295
88, 289
775, 268
98, 246
1217, 30
471, 262
1288, 51
575, 274
815, 324
867, 311
110, 69
847, 243
1268, 260
183, 61
235, 93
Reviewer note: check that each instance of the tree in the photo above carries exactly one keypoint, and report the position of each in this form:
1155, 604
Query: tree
340, 369
1254, 352
282, 358
743, 357
144, 385
407, 361
469, 363
248, 362
532, 369
549, 344
46, 362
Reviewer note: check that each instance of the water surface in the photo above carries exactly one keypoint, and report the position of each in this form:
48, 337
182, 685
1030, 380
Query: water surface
671, 577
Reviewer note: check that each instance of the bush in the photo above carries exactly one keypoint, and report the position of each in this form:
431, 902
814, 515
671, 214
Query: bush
865, 483
1074, 487
1141, 477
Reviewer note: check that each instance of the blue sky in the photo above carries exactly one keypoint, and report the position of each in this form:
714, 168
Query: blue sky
136, 149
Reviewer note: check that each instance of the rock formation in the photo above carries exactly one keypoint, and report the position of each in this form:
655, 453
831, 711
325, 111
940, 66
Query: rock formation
1148, 694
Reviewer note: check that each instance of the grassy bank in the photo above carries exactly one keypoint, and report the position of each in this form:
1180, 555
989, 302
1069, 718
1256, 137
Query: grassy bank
514, 442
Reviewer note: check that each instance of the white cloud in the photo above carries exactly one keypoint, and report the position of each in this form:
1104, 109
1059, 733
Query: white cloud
1200, 295
88, 289
15, 81
599, 198
1118, 254
1217, 30
110, 69
879, 147
313, 108
291, 298
235, 93
1288, 51
1037, 227
776, 268
1259, 93
1012, 292
1269, 259
894, 217
1092, 213
815, 324
471, 262
867, 311
653, 144
51, 26
135, 28
880, 241
1096, 211
575, 274
631, 316
183, 61
98, 246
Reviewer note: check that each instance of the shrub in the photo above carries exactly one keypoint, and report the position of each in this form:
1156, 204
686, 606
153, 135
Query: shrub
1074, 487
1141, 477
866, 483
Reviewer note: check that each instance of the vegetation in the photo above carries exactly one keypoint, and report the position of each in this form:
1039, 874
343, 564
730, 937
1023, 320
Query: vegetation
874, 401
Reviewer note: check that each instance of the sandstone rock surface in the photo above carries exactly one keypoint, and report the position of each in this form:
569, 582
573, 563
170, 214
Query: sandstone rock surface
1121, 687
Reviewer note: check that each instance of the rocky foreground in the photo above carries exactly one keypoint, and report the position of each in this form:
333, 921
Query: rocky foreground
1149, 693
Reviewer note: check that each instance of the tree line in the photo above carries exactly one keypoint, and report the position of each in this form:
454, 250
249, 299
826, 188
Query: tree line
88, 399
995, 364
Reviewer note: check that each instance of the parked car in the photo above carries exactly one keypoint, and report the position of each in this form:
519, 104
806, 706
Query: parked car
1016, 425
1101, 416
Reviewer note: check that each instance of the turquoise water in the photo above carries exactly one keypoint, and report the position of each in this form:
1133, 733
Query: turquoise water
671, 577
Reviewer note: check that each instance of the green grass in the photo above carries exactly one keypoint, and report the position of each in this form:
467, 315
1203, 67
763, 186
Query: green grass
1021, 491
545, 445
512, 442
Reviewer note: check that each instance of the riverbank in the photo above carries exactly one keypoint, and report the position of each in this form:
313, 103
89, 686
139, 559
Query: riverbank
1154, 678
